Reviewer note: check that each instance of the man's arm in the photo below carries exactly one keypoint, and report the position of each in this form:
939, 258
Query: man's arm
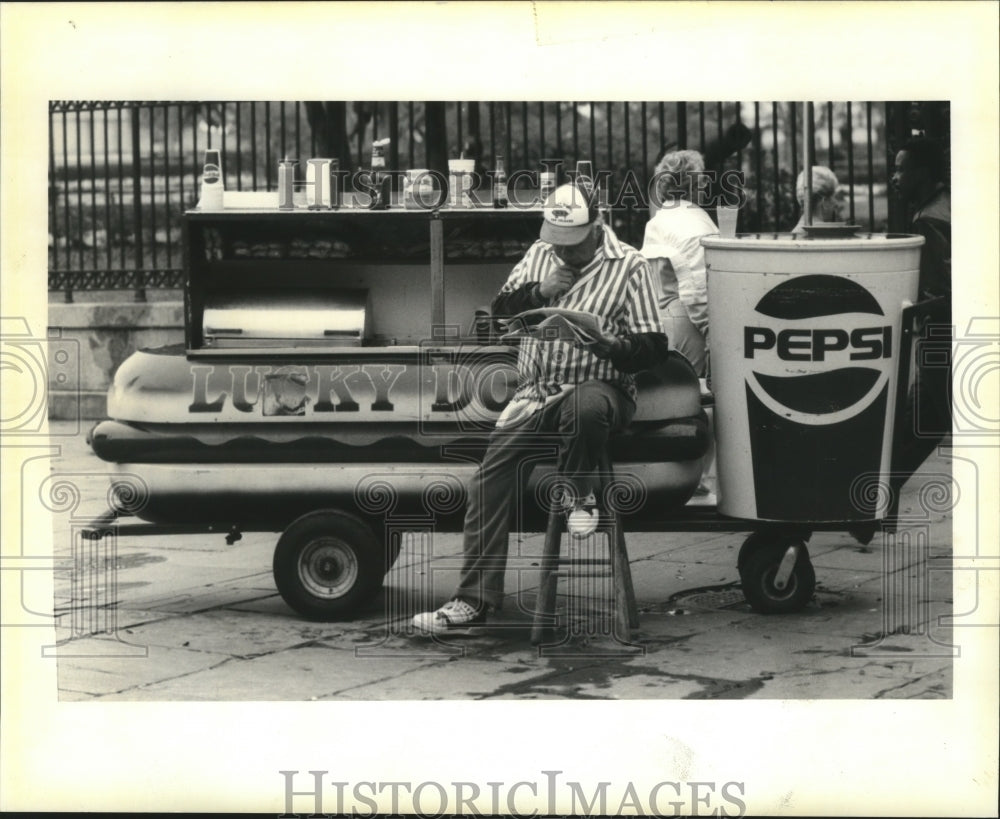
522, 290
644, 344
555, 281
640, 351
525, 297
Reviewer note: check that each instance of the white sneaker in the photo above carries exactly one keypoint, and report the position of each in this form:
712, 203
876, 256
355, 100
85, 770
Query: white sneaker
583, 518
457, 616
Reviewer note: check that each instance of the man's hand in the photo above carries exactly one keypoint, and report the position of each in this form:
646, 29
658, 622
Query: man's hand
557, 282
605, 346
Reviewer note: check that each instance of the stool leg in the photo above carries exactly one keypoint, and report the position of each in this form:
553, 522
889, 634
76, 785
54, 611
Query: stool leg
626, 609
545, 603
623, 578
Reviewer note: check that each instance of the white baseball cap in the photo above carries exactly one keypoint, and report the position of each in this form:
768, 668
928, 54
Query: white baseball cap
568, 214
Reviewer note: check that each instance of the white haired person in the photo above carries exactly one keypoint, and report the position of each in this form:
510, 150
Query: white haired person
826, 202
672, 245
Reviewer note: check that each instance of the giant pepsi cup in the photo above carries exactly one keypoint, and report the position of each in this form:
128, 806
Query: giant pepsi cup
804, 337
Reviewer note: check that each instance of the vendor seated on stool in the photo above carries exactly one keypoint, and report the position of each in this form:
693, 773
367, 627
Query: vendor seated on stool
570, 397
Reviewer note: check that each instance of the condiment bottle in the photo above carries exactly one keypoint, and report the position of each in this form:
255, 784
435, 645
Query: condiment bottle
499, 184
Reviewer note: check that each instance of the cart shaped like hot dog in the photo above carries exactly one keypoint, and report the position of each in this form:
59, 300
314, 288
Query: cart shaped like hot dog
339, 373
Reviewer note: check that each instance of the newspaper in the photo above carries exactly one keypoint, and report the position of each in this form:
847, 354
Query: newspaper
519, 410
554, 324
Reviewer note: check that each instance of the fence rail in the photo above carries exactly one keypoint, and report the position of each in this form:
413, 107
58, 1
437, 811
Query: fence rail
121, 173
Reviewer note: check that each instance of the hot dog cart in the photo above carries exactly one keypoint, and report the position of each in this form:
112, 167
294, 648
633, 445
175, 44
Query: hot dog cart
340, 374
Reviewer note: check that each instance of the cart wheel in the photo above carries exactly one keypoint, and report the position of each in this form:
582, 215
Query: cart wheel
392, 555
327, 564
756, 540
759, 570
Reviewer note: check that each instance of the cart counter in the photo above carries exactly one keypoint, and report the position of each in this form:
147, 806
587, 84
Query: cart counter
263, 277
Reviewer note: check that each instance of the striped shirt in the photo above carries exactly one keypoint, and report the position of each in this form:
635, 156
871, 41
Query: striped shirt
615, 285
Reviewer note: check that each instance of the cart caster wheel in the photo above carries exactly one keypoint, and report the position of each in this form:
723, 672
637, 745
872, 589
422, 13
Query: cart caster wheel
756, 540
327, 565
760, 572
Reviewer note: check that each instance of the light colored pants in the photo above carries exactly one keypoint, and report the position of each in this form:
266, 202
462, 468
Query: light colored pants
684, 336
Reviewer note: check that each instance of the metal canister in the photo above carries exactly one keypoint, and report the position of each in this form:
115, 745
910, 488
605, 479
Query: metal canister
286, 183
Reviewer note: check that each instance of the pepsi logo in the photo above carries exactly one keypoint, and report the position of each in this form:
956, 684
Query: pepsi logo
819, 350
820, 393
815, 296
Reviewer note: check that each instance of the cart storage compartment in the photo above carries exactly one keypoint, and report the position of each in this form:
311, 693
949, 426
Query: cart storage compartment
271, 318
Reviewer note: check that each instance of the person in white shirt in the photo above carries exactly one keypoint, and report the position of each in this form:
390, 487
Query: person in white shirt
672, 245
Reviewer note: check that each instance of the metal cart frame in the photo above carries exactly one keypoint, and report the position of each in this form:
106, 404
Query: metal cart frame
324, 544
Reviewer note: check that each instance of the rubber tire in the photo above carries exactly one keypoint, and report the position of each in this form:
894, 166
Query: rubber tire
756, 540
299, 572
760, 564
391, 556
760, 538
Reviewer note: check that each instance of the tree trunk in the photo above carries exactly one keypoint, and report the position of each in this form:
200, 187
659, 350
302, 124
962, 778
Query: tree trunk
437, 136
474, 144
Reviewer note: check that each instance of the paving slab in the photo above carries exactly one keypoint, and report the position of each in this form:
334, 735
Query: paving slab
851, 556
75, 696
930, 685
233, 634
206, 598
888, 676
272, 604
626, 680
101, 675
308, 673
799, 665
115, 623
717, 553
445, 679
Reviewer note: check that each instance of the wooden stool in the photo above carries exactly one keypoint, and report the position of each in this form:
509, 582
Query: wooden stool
626, 613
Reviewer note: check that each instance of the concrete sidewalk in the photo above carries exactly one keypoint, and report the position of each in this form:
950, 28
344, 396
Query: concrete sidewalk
188, 617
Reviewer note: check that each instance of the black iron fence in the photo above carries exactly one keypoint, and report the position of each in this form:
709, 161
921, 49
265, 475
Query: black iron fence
121, 174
